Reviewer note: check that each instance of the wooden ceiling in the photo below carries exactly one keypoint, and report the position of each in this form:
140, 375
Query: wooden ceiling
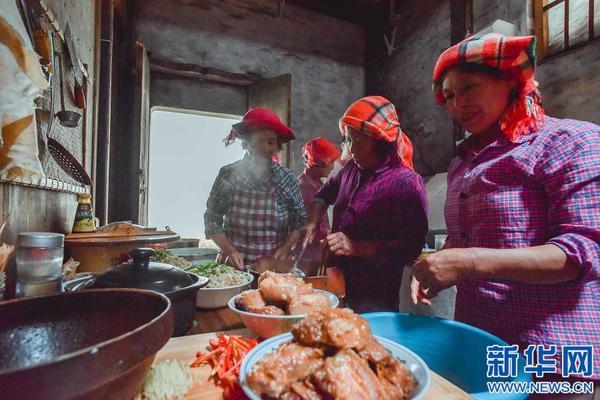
358, 11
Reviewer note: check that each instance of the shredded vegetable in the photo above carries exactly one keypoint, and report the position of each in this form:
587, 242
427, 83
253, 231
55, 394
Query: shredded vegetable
220, 275
225, 355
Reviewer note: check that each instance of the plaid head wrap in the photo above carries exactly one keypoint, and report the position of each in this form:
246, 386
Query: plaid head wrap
514, 54
376, 117
320, 151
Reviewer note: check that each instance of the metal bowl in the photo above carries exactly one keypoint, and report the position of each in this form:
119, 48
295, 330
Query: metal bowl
92, 344
413, 362
219, 297
267, 326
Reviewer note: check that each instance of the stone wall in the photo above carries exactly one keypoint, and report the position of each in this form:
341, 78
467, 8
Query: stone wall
324, 55
404, 77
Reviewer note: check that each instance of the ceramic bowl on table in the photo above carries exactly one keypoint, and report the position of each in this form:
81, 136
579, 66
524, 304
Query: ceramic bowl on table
92, 344
211, 298
267, 326
413, 362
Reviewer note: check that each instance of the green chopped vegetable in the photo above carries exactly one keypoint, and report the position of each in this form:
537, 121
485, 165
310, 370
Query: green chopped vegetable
220, 275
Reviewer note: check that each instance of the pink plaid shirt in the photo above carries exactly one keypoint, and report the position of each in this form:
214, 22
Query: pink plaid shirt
542, 188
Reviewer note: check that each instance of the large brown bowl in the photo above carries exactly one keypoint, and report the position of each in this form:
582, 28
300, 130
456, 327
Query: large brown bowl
93, 344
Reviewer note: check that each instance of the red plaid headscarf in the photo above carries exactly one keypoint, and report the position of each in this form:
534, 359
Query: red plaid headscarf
507, 53
259, 118
376, 117
320, 152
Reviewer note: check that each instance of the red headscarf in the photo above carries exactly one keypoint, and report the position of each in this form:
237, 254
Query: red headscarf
319, 152
376, 117
507, 53
259, 118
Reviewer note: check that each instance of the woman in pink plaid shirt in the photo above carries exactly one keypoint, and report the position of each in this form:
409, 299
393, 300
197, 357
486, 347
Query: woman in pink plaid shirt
523, 204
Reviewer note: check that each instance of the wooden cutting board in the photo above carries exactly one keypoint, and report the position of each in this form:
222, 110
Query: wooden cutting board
185, 348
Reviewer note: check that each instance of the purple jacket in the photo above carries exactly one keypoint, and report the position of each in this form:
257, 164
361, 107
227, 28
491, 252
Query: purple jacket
387, 205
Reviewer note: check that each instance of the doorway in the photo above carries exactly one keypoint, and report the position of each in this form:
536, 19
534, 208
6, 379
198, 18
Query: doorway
185, 155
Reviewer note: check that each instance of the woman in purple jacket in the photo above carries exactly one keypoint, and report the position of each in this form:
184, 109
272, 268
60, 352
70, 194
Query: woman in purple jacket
380, 207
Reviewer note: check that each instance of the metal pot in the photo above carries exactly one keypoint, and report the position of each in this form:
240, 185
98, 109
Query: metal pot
179, 286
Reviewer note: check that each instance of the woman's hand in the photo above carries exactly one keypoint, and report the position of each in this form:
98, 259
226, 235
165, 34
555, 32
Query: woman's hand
283, 253
340, 245
235, 258
310, 232
440, 271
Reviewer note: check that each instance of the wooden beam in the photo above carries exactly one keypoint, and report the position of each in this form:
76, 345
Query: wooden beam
205, 73
591, 21
539, 19
461, 20
566, 26
552, 4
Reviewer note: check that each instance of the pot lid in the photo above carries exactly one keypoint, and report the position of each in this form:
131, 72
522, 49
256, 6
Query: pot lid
141, 273
120, 233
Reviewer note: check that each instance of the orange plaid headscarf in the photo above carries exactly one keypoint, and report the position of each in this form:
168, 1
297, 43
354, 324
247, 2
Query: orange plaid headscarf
376, 117
507, 53
320, 151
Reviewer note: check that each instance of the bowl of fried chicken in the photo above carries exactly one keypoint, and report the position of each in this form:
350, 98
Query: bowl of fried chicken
331, 354
280, 301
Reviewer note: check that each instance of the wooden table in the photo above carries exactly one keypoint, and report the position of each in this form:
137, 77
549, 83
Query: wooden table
220, 319
184, 349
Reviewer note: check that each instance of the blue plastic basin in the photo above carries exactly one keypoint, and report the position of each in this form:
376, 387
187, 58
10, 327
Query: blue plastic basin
452, 349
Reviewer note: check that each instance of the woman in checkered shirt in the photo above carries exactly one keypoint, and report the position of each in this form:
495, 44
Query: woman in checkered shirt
522, 207
255, 208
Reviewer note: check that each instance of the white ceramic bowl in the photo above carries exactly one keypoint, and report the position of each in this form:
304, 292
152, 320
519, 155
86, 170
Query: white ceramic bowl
267, 326
218, 297
414, 363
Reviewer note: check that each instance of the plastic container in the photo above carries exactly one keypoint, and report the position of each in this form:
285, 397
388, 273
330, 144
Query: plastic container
454, 350
39, 263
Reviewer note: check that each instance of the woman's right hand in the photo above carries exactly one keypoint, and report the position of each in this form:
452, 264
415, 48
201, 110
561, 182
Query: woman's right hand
310, 233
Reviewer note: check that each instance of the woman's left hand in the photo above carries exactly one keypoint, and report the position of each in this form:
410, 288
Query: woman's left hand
440, 271
340, 245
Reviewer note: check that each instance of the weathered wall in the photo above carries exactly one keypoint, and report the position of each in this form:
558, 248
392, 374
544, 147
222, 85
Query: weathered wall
324, 55
196, 94
487, 11
572, 95
424, 32
405, 79
35, 209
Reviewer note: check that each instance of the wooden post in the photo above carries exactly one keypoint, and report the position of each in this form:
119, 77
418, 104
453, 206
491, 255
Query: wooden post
461, 20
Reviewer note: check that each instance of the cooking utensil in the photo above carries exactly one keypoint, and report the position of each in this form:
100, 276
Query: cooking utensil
78, 92
69, 119
295, 270
67, 161
95, 344
267, 326
179, 286
97, 250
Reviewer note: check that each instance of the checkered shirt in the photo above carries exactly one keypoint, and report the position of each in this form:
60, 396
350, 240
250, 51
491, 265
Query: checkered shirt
238, 176
541, 188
